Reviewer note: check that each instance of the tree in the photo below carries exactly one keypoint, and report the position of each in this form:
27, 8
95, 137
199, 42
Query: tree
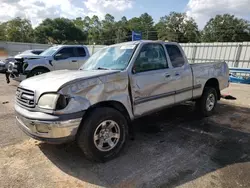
94, 29
2, 32
144, 24
58, 31
178, 27
17, 30
226, 28
122, 30
108, 30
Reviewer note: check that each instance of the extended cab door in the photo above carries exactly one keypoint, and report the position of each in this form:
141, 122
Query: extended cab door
82, 55
65, 58
151, 81
182, 73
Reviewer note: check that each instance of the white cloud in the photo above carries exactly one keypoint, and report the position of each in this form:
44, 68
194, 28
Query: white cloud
203, 10
37, 10
101, 7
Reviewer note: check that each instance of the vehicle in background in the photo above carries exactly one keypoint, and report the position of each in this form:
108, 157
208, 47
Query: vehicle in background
118, 84
28, 54
4, 63
2, 67
54, 58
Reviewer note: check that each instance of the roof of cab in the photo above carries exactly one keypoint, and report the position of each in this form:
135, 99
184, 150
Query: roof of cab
59, 46
143, 41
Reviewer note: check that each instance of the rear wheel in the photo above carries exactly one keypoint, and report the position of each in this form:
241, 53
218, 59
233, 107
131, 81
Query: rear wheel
208, 101
102, 134
36, 72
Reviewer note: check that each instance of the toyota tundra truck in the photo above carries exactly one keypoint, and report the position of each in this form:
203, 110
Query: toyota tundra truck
95, 104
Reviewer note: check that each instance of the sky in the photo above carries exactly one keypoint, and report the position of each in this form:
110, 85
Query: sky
200, 10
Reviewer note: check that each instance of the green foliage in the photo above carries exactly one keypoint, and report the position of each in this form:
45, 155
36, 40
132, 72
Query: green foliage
17, 30
59, 31
91, 30
226, 28
177, 27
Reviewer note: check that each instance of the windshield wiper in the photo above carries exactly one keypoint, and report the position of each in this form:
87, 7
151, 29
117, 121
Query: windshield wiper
102, 68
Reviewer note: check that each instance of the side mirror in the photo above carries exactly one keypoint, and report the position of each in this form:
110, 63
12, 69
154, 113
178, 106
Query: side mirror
133, 69
58, 56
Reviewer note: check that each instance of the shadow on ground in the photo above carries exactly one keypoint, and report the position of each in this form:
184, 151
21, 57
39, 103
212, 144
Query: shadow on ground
172, 147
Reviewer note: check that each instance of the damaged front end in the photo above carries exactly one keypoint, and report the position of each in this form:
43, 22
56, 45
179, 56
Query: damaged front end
16, 69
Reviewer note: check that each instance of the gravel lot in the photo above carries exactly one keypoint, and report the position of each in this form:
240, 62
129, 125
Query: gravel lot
172, 148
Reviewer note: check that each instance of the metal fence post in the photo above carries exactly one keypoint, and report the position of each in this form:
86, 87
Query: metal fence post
194, 53
93, 49
237, 57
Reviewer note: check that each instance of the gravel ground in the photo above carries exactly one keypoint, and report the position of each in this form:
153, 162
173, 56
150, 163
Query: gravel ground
172, 148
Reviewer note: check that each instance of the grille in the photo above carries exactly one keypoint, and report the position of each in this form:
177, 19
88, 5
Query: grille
25, 97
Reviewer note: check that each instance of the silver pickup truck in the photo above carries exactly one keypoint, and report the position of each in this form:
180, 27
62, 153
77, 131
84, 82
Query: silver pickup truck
54, 58
119, 83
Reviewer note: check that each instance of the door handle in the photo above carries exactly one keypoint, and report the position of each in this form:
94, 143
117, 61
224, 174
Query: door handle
74, 61
167, 75
177, 74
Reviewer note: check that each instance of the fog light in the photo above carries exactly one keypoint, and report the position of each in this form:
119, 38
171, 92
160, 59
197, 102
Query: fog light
42, 128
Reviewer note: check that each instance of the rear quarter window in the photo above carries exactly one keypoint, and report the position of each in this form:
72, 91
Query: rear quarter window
81, 52
175, 55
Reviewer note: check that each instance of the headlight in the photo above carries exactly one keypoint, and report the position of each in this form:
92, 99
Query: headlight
53, 101
48, 101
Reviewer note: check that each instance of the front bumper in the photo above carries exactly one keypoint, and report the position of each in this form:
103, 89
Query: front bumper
15, 72
48, 128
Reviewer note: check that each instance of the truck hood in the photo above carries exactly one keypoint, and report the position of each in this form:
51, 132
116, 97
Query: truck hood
53, 81
28, 56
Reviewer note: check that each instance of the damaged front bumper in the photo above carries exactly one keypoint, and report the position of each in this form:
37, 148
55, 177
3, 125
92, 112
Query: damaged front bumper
15, 72
46, 127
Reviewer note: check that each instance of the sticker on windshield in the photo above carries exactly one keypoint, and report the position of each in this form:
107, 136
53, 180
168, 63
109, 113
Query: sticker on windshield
127, 47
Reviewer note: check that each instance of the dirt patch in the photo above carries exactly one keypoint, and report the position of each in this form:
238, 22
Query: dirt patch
24, 165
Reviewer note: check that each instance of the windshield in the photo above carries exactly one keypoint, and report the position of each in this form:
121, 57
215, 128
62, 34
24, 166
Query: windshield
50, 51
113, 57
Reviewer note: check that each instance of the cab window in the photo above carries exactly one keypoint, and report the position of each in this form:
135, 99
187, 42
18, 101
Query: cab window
65, 53
175, 55
151, 57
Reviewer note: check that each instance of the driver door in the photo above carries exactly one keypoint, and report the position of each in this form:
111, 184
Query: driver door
65, 59
152, 80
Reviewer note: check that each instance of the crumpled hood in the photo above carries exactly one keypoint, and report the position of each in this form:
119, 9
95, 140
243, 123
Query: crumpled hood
53, 81
28, 56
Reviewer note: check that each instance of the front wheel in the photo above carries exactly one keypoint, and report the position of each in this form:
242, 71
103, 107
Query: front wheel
207, 103
37, 71
102, 134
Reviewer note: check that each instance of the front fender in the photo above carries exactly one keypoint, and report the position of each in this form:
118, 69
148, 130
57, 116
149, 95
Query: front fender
32, 64
90, 92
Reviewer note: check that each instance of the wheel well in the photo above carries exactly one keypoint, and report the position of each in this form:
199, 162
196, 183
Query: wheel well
40, 67
116, 105
213, 82
113, 104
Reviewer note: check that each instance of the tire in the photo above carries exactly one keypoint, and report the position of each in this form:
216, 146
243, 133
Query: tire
202, 105
37, 71
94, 124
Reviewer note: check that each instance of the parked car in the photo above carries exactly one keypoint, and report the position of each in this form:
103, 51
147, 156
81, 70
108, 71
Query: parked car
119, 83
2, 67
54, 58
3, 64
